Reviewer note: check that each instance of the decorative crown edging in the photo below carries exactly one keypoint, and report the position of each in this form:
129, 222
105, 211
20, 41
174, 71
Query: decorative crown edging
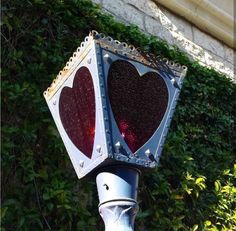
118, 47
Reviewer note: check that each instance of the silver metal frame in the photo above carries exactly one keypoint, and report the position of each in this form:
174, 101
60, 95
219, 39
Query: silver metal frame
82, 163
97, 53
155, 144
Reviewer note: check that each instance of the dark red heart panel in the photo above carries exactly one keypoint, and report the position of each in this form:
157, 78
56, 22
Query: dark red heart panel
77, 111
138, 102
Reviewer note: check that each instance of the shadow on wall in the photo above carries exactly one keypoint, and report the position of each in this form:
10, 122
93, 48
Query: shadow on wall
157, 21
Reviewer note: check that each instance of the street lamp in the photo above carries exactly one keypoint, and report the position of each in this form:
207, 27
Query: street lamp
112, 105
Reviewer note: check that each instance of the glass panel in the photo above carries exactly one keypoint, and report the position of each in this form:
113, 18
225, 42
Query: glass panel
77, 111
138, 102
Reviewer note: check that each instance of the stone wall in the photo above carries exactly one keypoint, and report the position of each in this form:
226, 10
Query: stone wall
155, 20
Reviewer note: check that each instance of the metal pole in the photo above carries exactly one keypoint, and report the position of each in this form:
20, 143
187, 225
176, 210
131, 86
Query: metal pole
117, 191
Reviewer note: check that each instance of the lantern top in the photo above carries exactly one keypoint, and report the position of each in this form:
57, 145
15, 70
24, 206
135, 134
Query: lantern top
115, 46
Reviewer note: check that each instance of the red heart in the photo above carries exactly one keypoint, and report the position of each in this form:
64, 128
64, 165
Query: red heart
138, 102
77, 111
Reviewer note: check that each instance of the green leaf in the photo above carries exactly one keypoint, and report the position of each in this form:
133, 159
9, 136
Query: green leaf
195, 227
3, 212
207, 223
217, 185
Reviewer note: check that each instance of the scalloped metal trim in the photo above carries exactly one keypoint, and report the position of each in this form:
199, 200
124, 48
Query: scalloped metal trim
115, 46
64, 73
131, 52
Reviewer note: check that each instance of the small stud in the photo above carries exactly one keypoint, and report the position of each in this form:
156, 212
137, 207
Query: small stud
89, 60
107, 58
174, 82
81, 163
98, 148
150, 155
54, 102
118, 146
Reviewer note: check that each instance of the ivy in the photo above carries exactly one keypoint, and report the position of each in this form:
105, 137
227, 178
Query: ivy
194, 186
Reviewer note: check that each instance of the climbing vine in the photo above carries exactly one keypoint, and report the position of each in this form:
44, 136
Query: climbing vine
192, 189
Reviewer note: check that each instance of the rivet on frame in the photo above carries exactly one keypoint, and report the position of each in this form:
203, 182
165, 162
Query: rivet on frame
107, 58
81, 163
89, 60
98, 148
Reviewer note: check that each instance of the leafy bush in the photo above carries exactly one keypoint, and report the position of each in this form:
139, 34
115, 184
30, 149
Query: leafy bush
194, 187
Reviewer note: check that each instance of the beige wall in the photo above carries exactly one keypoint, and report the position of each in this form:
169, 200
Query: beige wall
152, 18
225, 5
212, 16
